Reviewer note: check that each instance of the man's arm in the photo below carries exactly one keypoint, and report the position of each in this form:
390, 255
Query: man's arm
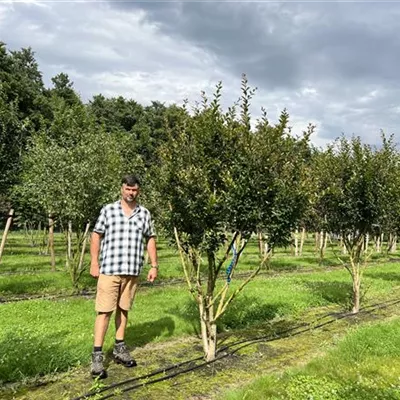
95, 241
152, 251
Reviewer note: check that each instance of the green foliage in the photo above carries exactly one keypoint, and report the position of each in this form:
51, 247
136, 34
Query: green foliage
63, 88
357, 191
71, 170
22, 106
357, 186
310, 387
217, 175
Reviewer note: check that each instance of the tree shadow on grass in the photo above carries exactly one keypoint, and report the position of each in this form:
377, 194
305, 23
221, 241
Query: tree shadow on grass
27, 354
33, 285
141, 334
8, 265
243, 312
387, 276
334, 292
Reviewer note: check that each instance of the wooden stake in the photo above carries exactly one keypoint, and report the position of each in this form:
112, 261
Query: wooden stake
3, 239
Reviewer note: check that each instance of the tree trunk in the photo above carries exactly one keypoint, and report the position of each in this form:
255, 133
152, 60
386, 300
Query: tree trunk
69, 246
302, 240
51, 243
296, 243
203, 325
76, 263
356, 289
391, 246
378, 243
322, 244
260, 243
5, 233
212, 342
342, 245
69, 239
208, 328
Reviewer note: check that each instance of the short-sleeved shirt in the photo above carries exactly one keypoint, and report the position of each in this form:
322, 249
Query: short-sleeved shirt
122, 247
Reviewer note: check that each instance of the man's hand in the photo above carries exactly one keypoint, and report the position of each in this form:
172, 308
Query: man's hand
152, 275
95, 270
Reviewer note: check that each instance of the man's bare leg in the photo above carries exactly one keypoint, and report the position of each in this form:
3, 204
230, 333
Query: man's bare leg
100, 328
121, 352
121, 321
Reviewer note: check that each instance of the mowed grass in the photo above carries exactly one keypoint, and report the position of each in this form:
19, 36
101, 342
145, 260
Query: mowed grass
25, 270
40, 337
364, 365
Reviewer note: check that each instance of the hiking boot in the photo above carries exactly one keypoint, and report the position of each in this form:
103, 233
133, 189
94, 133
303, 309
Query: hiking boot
122, 356
97, 369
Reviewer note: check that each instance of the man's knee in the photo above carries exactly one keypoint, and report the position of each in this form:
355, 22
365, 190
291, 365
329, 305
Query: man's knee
104, 315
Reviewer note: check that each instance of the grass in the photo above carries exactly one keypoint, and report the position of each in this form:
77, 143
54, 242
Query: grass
42, 337
364, 365
24, 270
52, 336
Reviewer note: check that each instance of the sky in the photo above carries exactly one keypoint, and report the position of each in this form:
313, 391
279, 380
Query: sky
331, 63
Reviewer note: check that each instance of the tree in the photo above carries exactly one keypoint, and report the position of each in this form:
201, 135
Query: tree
352, 196
72, 175
22, 108
387, 187
220, 182
63, 88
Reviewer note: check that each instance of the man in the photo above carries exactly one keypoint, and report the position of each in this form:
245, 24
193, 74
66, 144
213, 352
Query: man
120, 232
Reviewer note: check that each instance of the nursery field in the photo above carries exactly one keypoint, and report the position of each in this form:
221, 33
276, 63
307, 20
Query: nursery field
308, 345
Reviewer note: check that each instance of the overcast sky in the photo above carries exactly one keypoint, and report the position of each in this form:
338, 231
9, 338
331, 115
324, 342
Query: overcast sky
335, 64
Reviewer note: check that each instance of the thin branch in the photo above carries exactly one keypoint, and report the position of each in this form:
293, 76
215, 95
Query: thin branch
235, 293
183, 262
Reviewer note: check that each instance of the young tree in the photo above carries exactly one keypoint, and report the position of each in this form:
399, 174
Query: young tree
352, 182
387, 186
220, 181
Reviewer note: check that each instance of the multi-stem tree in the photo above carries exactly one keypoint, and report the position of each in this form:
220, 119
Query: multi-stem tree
220, 181
355, 184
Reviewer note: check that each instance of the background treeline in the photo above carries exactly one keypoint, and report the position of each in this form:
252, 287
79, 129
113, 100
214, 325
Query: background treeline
211, 177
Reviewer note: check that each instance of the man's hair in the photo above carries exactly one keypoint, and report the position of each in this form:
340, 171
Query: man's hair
130, 180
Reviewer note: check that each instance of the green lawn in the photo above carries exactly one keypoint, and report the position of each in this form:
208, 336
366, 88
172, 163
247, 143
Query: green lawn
53, 335
43, 336
364, 365
23, 271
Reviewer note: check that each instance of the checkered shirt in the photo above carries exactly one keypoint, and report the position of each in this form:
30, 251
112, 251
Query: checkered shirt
122, 247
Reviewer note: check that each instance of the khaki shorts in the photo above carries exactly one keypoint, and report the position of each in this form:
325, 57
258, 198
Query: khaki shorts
113, 290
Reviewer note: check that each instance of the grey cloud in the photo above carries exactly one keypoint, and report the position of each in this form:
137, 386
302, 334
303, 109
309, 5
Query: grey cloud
340, 40
340, 51
234, 33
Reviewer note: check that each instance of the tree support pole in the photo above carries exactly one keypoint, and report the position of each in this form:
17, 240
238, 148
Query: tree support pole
5, 233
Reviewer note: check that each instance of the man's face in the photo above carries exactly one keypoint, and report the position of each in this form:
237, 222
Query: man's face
130, 193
